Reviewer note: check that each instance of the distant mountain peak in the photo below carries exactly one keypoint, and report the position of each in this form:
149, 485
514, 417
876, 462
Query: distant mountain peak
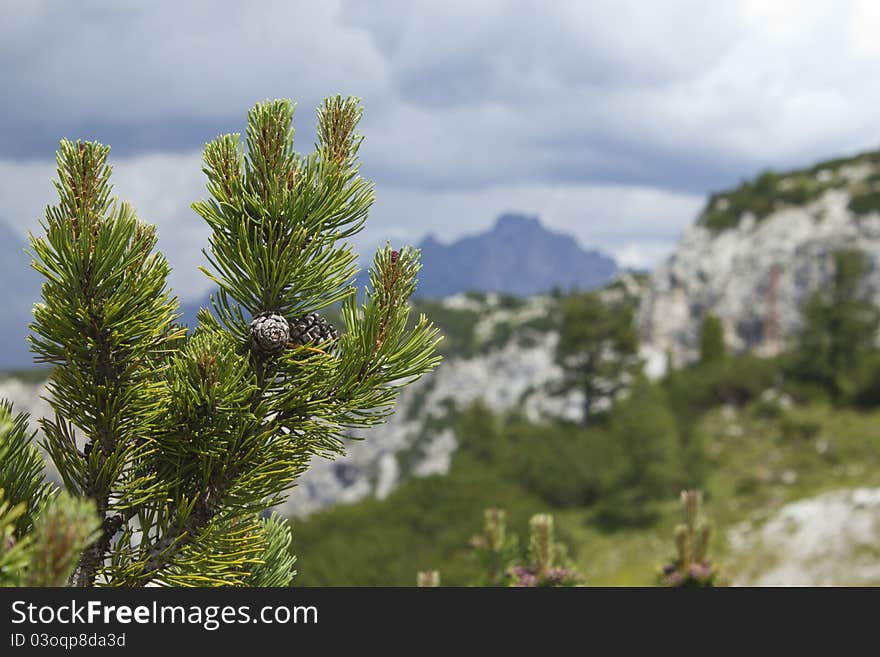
518, 255
515, 220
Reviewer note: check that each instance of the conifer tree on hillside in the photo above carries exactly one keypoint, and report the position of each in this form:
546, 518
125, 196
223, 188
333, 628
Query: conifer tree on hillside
172, 445
598, 347
712, 345
837, 344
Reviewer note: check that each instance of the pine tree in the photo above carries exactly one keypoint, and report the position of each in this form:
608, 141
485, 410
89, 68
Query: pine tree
712, 345
178, 442
42, 534
546, 561
837, 344
646, 434
597, 349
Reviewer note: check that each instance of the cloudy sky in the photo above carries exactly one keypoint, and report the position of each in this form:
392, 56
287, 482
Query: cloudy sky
610, 120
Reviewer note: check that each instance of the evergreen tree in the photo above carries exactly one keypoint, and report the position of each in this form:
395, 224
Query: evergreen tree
837, 344
179, 442
646, 433
712, 345
597, 348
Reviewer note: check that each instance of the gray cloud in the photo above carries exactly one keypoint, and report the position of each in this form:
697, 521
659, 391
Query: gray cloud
635, 224
466, 53
608, 119
680, 93
687, 95
158, 76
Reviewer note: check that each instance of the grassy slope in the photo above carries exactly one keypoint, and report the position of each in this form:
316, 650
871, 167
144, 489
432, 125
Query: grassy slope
761, 457
750, 455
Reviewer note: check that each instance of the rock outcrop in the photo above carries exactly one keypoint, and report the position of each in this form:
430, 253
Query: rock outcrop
754, 264
829, 540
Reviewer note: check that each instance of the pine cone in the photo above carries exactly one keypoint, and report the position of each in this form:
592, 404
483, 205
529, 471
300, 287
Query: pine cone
269, 333
312, 328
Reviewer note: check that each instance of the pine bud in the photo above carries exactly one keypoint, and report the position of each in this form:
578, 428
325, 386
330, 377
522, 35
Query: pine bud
541, 540
702, 543
690, 500
495, 528
682, 545
269, 333
428, 579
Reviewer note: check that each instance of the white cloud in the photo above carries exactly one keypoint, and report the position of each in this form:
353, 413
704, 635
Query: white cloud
159, 187
130, 61
638, 224
683, 94
673, 93
594, 116
25, 190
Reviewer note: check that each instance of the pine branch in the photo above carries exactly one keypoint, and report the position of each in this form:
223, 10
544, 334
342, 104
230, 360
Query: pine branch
60, 535
692, 567
189, 438
14, 554
276, 562
22, 469
105, 313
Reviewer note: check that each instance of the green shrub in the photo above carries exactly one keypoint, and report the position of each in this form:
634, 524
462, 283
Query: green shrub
712, 345
836, 345
736, 380
768, 409
424, 524
566, 468
647, 434
799, 429
456, 326
868, 201
626, 508
565, 465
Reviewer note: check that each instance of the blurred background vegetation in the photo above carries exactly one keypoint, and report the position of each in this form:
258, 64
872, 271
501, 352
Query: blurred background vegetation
750, 432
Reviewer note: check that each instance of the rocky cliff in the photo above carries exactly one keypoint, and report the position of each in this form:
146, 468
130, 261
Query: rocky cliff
757, 252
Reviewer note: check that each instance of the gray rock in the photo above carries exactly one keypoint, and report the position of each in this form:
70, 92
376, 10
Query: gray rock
731, 274
829, 540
